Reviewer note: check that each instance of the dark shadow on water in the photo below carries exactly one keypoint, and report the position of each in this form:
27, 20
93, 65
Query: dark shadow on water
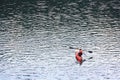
9, 8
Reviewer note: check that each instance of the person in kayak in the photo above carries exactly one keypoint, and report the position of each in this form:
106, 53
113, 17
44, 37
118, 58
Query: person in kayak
78, 55
79, 51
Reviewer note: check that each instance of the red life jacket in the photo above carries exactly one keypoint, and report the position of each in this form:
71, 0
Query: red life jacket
78, 58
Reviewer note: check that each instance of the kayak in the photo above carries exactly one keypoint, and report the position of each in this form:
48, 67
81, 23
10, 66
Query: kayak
78, 58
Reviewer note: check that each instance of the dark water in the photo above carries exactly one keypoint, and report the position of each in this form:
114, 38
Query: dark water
35, 37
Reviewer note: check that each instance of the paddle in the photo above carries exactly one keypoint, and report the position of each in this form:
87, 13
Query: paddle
78, 48
88, 59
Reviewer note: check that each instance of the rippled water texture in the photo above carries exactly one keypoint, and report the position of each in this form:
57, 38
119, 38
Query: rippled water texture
35, 36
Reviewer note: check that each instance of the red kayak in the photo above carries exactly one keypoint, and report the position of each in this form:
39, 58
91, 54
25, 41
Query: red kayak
78, 58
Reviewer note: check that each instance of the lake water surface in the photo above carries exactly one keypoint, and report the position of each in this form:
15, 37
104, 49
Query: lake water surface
35, 37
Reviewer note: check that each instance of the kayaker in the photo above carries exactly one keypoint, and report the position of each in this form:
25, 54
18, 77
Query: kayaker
79, 51
78, 55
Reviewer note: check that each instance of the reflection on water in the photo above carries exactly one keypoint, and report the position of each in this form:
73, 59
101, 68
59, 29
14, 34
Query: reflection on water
35, 37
